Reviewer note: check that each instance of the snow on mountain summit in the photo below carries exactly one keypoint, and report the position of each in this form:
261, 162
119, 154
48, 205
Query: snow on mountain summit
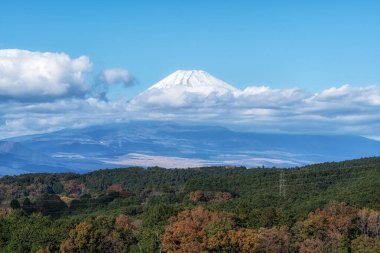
185, 88
196, 79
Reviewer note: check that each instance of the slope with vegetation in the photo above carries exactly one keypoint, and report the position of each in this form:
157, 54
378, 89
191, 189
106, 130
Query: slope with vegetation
330, 207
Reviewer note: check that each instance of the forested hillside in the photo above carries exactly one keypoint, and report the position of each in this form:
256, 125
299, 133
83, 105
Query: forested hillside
329, 207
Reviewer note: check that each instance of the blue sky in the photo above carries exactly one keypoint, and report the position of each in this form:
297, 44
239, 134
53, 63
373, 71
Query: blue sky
308, 44
318, 60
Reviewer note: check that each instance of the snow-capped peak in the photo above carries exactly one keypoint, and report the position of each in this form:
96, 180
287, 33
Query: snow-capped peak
184, 88
195, 79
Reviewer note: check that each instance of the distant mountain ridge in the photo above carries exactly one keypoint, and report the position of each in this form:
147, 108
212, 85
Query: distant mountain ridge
16, 158
166, 144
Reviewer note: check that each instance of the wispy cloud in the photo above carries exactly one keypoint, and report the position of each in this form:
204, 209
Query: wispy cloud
111, 77
21, 118
115, 76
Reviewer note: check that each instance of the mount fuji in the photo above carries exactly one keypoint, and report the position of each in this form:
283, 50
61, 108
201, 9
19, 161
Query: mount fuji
173, 144
183, 88
198, 81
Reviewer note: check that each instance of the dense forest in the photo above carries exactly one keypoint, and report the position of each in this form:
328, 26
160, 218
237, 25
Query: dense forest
329, 207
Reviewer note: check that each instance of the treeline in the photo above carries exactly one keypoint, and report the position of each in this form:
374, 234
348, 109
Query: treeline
330, 207
337, 227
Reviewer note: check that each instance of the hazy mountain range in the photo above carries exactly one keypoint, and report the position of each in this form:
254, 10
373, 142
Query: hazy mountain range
174, 144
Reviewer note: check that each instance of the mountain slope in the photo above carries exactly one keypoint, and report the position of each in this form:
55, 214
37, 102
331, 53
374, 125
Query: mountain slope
16, 158
148, 143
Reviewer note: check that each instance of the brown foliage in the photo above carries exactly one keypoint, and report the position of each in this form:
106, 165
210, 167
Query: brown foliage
67, 200
43, 250
273, 240
122, 222
222, 196
196, 196
117, 190
9, 191
74, 188
67, 247
331, 225
5, 212
100, 236
241, 240
365, 244
251, 241
200, 230
245, 239
333, 221
82, 236
187, 231
200, 196
311, 246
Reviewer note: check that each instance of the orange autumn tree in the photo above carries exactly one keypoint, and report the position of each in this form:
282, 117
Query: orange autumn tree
247, 240
273, 240
331, 225
242, 240
189, 230
201, 230
312, 246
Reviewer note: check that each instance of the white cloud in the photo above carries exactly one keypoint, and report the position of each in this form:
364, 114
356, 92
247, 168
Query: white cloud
271, 110
26, 75
45, 92
115, 76
20, 118
342, 110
